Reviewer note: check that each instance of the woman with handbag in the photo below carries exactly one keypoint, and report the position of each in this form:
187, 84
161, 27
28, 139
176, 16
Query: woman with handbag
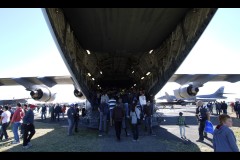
135, 117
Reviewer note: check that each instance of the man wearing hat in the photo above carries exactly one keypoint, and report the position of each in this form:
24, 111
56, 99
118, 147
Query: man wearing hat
202, 114
28, 126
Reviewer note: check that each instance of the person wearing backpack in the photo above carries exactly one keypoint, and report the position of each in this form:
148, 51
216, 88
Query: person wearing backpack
117, 116
103, 110
134, 116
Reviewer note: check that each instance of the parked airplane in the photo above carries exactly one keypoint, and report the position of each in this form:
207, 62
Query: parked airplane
190, 83
13, 102
171, 99
41, 88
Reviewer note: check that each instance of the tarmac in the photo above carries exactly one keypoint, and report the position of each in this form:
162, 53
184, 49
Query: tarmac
165, 138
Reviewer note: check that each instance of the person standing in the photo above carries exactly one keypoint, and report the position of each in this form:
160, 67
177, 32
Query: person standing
5, 119
70, 114
1, 110
76, 117
17, 121
218, 108
58, 111
134, 115
112, 104
142, 100
63, 110
103, 110
28, 125
21, 127
236, 108
148, 117
209, 105
224, 107
125, 120
52, 111
117, 116
181, 122
224, 139
232, 106
43, 110
202, 114
125, 101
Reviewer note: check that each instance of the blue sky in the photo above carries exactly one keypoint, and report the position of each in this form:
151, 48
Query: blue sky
27, 49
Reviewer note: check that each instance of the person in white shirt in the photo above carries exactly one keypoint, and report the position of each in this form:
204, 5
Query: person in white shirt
104, 98
5, 120
135, 114
142, 99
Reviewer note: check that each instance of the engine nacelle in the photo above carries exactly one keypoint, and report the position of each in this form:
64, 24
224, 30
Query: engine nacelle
42, 94
77, 93
186, 92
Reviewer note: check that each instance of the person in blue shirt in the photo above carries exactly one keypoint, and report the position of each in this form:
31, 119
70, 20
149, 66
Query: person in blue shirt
70, 113
224, 139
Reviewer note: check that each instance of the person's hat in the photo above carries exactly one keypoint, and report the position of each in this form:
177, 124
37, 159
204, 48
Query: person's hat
180, 113
32, 106
199, 103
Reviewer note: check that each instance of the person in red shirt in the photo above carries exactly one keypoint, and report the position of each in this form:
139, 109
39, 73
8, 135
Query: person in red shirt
63, 110
17, 121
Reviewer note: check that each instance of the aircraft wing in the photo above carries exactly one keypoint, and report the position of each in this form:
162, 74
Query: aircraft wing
28, 82
203, 78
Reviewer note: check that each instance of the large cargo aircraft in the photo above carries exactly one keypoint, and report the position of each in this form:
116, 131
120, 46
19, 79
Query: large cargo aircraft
41, 87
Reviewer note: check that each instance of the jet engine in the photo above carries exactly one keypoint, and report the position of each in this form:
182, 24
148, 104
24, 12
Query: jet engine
77, 93
186, 92
42, 94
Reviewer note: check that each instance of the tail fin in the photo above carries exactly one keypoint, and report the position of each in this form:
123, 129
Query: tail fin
219, 91
168, 97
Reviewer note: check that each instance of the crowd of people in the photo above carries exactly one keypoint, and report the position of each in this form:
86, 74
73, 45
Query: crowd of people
125, 109
224, 139
222, 107
22, 117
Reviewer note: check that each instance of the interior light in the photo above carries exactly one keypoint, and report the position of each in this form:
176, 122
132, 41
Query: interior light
89, 74
132, 72
88, 52
135, 84
100, 72
142, 78
148, 73
150, 51
93, 79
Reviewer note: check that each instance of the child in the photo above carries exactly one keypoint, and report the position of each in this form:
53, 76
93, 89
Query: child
181, 123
